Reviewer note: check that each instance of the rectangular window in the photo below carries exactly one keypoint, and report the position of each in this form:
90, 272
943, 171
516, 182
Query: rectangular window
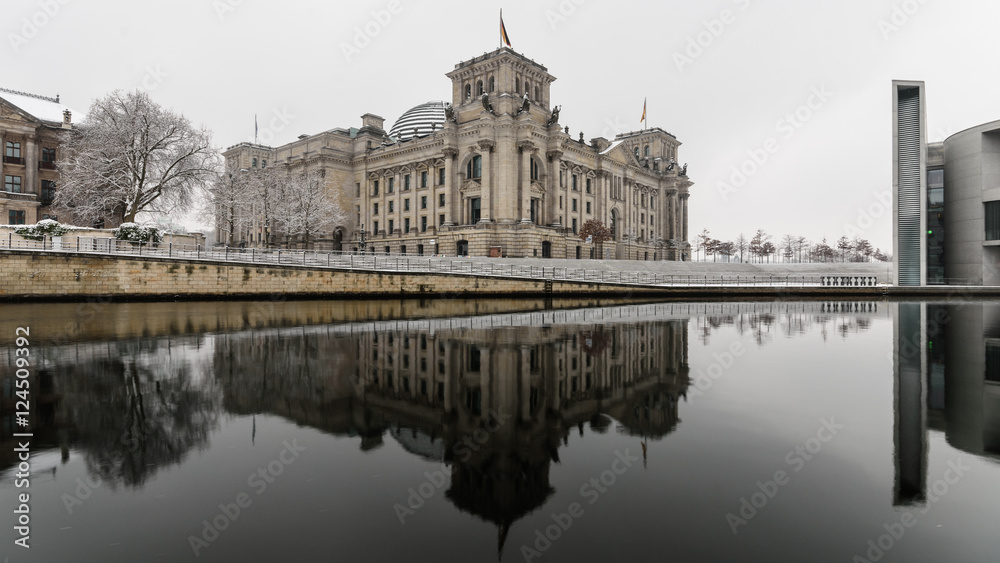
357, 189
574, 182
375, 208
12, 150
588, 185
423, 179
440, 200
375, 227
406, 204
560, 202
441, 176
574, 226
574, 204
48, 191
48, 155
15, 217
12, 184
475, 210
588, 208
423, 202
423, 224
406, 225
375, 186
392, 186
406, 182
392, 224
392, 206
992, 220
441, 219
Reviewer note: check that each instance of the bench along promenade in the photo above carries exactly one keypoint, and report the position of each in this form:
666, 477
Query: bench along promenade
47, 270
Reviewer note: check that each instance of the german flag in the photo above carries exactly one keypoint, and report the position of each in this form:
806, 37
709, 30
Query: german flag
503, 31
643, 119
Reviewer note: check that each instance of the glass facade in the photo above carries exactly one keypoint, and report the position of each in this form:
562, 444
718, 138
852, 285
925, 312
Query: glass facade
935, 227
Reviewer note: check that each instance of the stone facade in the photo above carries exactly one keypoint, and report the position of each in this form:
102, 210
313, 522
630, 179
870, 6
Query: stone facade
32, 130
496, 174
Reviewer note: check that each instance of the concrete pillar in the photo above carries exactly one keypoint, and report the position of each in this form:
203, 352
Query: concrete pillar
452, 199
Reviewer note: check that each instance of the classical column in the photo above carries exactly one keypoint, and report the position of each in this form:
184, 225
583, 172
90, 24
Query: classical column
526, 148
30, 167
684, 215
486, 184
552, 188
451, 195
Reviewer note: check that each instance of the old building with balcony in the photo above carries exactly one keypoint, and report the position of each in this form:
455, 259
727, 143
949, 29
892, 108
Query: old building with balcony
491, 173
32, 130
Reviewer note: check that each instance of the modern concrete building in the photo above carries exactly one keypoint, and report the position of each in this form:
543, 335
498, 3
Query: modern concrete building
946, 198
492, 172
32, 129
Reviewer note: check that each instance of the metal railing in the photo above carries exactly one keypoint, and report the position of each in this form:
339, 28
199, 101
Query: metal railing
418, 264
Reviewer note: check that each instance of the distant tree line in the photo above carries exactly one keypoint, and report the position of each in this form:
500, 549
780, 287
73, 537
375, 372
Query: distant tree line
790, 248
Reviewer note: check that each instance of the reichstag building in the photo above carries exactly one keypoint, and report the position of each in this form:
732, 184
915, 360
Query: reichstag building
493, 172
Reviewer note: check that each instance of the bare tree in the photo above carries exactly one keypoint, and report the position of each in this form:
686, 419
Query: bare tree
230, 203
843, 245
302, 207
757, 243
131, 155
598, 233
741, 245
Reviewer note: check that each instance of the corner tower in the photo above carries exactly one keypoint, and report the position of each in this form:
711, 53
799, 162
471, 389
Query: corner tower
505, 76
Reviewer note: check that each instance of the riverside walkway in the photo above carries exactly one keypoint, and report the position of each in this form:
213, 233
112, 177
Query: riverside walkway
645, 277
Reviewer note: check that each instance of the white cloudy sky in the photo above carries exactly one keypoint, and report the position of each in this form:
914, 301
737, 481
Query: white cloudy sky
221, 61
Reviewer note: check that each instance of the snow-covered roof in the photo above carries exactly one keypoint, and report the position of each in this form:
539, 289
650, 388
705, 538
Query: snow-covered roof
612, 146
39, 107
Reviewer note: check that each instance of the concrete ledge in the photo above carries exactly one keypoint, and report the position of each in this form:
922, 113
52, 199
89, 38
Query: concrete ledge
71, 276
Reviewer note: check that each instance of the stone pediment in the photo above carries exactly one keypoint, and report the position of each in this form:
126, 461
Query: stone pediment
622, 155
10, 112
471, 186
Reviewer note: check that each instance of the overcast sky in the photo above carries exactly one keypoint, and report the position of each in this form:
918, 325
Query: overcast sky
723, 76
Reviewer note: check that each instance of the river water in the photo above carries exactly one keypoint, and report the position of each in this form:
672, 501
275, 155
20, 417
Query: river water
503, 430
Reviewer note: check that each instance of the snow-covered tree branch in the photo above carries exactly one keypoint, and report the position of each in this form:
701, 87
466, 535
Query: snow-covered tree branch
131, 155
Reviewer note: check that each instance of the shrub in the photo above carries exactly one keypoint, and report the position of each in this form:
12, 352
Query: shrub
133, 232
45, 227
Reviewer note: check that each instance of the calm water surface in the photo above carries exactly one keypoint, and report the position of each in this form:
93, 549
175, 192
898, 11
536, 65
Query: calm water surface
461, 431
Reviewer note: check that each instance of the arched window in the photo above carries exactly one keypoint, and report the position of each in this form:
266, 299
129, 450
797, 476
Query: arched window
637, 152
479, 88
645, 151
537, 97
493, 84
517, 85
534, 170
254, 164
474, 169
527, 87
468, 91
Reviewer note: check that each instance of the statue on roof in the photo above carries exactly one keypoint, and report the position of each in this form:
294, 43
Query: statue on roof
449, 112
684, 170
486, 103
554, 118
525, 104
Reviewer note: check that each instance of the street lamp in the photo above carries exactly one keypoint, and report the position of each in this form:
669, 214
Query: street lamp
362, 240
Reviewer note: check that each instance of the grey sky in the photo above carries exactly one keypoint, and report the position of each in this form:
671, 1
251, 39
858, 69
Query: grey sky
221, 61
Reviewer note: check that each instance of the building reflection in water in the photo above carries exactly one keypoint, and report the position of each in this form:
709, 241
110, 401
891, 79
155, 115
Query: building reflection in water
947, 379
492, 397
436, 386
